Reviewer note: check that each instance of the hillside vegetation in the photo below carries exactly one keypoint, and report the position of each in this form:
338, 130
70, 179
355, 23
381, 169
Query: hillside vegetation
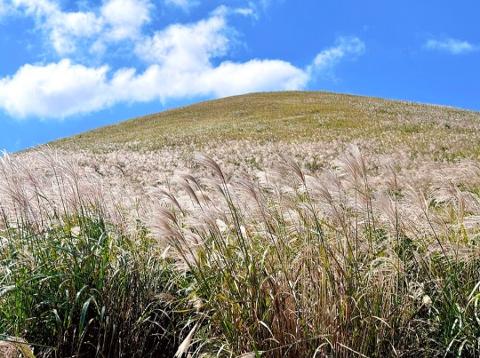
296, 116
266, 225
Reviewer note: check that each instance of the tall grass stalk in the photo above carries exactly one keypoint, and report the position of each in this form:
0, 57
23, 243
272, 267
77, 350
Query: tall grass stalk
285, 264
325, 268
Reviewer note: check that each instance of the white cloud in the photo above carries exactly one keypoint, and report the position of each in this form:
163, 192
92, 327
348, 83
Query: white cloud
158, 83
62, 89
345, 46
245, 11
115, 20
63, 28
125, 17
57, 89
255, 75
186, 47
181, 63
66, 28
450, 45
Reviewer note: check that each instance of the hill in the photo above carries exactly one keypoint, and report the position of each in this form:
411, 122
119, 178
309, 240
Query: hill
384, 125
311, 224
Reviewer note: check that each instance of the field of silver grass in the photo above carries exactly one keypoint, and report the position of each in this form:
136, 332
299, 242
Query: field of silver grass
254, 253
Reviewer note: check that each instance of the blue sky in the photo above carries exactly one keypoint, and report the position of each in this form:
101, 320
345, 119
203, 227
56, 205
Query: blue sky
69, 66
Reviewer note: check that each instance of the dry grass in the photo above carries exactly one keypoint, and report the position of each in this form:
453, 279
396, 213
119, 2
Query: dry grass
290, 242
304, 117
295, 265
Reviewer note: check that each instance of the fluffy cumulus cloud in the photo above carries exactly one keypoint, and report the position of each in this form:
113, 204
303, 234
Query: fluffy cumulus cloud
57, 89
180, 61
450, 45
125, 18
252, 76
115, 20
186, 47
62, 28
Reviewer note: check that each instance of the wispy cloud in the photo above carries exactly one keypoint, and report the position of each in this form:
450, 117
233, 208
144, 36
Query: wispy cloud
450, 45
245, 11
350, 47
186, 5
3, 8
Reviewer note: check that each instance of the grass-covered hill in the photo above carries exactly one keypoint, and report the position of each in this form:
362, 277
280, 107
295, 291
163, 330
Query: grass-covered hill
296, 116
309, 225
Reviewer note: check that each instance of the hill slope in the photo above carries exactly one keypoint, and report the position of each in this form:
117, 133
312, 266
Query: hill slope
286, 243
296, 116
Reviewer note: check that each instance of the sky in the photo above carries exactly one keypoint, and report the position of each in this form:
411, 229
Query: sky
70, 66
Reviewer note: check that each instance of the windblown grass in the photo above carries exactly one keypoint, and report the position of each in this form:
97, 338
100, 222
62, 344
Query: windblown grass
255, 253
85, 290
72, 284
328, 268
